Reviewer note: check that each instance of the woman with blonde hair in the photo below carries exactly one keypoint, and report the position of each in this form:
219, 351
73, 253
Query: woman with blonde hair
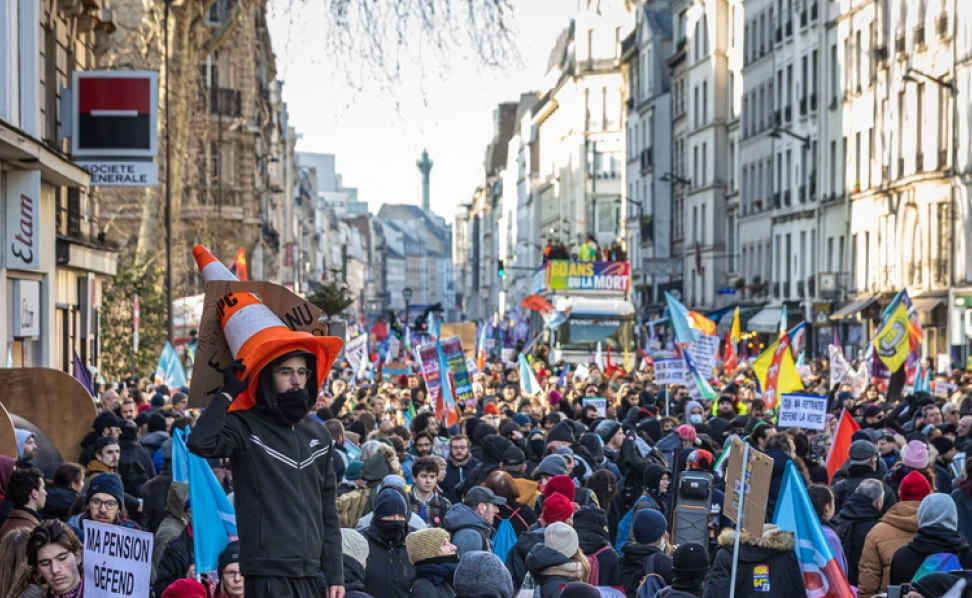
557, 561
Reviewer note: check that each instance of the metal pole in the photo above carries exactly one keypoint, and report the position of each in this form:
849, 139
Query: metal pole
741, 497
168, 183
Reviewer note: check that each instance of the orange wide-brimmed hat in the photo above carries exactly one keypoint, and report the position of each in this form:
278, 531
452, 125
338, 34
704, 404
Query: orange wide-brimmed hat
257, 336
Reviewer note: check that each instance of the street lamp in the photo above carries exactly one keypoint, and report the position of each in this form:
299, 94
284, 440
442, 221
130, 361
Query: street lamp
911, 73
776, 132
407, 295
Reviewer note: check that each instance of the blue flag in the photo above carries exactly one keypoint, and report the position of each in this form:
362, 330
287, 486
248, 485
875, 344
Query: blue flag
448, 396
213, 516
528, 381
180, 457
563, 375
170, 370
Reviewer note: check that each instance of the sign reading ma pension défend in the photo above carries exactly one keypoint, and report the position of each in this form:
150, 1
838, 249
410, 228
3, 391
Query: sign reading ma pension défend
563, 275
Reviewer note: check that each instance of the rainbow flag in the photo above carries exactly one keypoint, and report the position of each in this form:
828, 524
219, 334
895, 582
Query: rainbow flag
794, 513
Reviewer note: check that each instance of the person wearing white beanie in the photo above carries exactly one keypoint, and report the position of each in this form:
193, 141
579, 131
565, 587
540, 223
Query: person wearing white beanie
558, 560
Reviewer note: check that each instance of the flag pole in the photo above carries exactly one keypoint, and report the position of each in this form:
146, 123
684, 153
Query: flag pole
740, 496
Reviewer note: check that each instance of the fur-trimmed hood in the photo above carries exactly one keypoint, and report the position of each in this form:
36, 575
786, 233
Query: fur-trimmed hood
775, 541
383, 462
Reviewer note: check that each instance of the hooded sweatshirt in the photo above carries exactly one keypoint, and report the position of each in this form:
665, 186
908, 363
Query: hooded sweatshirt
937, 535
591, 526
469, 531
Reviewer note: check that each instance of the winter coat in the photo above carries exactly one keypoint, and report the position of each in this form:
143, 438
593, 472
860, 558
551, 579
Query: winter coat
529, 489
855, 475
895, 529
552, 570
433, 511
767, 560
155, 495
153, 441
833, 540
633, 563
277, 470
176, 560
469, 531
389, 573
354, 576
134, 466
853, 523
521, 521
174, 522
454, 475
20, 518
590, 523
780, 459
424, 587
516, 558
932, 539
963, 504
59, 501
644, 501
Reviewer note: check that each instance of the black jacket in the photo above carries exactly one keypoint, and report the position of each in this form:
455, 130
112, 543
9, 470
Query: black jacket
932, 539
59, 501
175, 562
426, 587
632, 567
852, 524
389, 573
516, 557
541, 561
155, 494
454, 475
284, 478
855, 475
354, 576
590, 523
134, 466
774, 556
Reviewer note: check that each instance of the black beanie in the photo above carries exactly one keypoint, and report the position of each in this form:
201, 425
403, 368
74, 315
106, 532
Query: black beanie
231, 554
690, 559
579, 589
936, 585
563, 432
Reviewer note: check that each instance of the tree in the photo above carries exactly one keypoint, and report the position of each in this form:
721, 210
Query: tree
116, 305
332, 297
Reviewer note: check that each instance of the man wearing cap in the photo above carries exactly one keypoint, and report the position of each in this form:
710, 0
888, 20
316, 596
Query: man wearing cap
862, 466
106, 424
690, 565
471, 522
104, 503
514, 463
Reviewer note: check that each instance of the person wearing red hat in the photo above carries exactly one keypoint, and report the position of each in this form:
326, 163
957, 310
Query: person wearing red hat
186, 588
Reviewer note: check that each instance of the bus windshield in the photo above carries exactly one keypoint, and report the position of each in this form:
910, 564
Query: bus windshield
582, 333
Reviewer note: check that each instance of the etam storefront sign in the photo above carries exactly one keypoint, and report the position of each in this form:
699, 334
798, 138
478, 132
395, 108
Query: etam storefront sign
22, 213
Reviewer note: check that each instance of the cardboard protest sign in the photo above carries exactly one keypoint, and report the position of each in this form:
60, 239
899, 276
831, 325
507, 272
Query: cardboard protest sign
213, 354
355, 351
455, 358
599, 403
429, 358
755, 484
117, 561
466, 331
944, 389
392, 370
669, 371
803, 411
704, 351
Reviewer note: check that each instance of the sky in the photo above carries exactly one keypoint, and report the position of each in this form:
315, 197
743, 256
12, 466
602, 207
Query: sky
378, 134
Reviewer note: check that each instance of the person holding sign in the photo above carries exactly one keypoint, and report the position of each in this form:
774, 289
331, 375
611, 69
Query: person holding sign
54, 557
283, 472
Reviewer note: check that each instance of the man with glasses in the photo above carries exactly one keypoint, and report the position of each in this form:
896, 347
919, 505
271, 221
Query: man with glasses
104, 503
290, 540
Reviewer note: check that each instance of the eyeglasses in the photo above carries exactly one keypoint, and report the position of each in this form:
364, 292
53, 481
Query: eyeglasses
233, 574
97, 503
302, 373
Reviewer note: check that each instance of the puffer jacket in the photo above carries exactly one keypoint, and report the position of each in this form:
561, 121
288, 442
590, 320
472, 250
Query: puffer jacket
854, 522
895, 529
438, 582
767, 560
134, 465
552, 570
389, 573
59, 501
469, 531
590, 523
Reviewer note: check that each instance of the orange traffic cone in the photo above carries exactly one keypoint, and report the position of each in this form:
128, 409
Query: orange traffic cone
257, 336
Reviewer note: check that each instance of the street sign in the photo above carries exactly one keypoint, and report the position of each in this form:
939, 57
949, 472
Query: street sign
115, 114
108, 173
727, 291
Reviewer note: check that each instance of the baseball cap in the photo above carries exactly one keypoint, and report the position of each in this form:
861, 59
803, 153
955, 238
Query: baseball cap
480, 494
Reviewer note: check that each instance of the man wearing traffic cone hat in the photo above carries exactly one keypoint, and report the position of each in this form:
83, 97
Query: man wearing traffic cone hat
290, 541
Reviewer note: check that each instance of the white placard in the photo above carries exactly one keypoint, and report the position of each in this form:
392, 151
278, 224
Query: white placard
22, 251
116, 173
704, 351
599, 403
354, 352
669, 371
944, 389
943, 363
26, 308
803, 411
117, 561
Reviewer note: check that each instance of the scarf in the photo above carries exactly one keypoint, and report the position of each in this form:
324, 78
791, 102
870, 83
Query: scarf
438, 569
462, 463
75, 592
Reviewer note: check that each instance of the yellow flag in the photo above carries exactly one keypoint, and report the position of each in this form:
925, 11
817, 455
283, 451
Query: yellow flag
776, 372
734, 331
891, 341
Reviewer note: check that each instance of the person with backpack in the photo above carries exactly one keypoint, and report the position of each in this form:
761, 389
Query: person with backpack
470, 522
591, 526
435, 560
937, 545
645, 553
690, 564
512, 519
861, 512
557, 561
655, 496
557, 509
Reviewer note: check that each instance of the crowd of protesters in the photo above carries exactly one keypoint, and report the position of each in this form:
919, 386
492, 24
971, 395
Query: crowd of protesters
534, 496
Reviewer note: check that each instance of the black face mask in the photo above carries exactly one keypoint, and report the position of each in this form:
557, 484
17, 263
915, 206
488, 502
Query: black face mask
292, 406
392, 531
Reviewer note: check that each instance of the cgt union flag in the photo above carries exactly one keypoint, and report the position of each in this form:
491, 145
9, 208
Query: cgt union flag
114, 113
794, 513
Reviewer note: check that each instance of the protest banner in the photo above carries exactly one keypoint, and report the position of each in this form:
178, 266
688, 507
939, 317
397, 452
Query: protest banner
117, 561
429, 358
943, 363
754, 485
669, 371
456, 359
803, 411
704, 351
466, 331
392, 370
599, 403
355, 351
944, 389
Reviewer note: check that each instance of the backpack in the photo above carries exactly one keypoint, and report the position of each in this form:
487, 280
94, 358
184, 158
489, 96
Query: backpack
938, 562
505, 537
592, 561
653, 582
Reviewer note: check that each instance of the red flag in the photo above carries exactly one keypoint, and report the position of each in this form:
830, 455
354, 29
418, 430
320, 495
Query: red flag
840, 448
732, 360
238, 267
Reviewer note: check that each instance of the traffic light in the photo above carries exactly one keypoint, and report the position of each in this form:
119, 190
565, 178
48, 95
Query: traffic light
501, 269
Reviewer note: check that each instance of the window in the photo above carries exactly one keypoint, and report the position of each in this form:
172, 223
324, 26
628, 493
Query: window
919, 118
858, 63
732, 95
857, 161
732, 166
695, 166
695, 106
834, 74
705, 164
695, 224
833, 167
705, 102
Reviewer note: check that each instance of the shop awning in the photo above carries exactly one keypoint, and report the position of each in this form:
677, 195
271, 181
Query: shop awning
853, 308
766, 321
927, 304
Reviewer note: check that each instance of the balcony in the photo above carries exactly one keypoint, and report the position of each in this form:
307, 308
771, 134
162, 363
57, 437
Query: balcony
813, 102
920, 36
919, 162
941, 26
222, 100
803, 106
